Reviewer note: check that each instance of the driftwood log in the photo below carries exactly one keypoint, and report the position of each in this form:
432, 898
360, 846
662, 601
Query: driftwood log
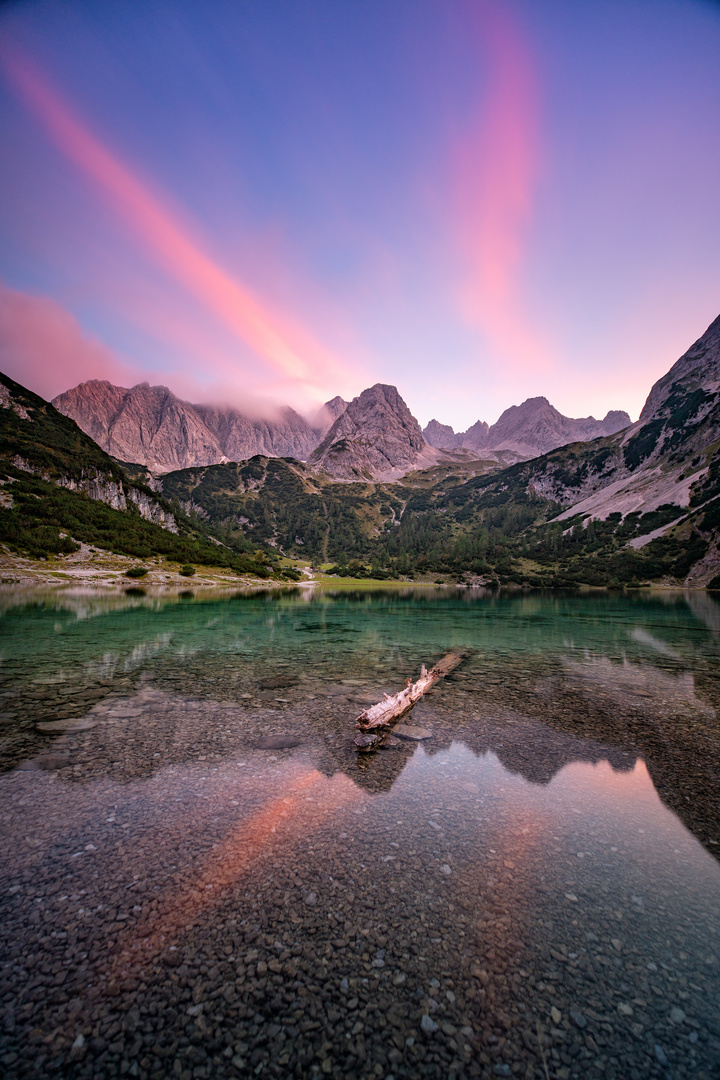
376, 723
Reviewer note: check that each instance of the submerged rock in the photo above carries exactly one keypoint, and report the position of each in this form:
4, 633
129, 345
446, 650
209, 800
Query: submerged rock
417, 734
50, 762
278, 682
60, 727
278, 742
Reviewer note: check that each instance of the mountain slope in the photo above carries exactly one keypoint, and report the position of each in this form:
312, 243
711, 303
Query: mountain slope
326, 416
669, 455
649, 494
36, 439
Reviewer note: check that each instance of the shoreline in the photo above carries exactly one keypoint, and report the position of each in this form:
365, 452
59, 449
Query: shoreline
103, 571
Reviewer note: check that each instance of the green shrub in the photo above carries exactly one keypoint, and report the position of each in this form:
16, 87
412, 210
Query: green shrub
187, 570
136, 572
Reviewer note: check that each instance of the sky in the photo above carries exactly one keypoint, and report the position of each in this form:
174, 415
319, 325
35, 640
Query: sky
478, 201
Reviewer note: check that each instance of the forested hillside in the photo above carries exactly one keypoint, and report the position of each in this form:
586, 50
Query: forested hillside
58, 488
492, 527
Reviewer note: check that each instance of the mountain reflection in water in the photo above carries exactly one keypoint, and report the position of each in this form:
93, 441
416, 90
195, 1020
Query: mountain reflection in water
550, 680
188, 896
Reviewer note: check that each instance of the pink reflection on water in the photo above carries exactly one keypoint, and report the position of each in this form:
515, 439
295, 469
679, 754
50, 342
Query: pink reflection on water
307, 799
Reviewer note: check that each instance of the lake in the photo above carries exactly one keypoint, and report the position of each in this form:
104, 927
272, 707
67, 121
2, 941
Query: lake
202, 877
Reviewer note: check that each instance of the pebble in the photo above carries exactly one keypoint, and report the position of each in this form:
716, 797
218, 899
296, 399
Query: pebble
50, 762
428, 1024
278, 682
578, 1019
661, 1055
416, 734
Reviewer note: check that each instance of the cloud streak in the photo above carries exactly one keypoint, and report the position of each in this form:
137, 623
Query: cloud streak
40, 342
495, 171
287, 349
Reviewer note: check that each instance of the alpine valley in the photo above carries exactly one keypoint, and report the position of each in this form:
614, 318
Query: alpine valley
536, 499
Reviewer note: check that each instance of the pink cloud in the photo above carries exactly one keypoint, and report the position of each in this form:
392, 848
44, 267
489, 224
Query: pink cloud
496, 165
42, 346
286, 349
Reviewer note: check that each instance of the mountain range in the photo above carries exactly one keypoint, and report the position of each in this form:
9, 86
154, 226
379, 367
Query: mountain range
526, 430
150, 426
375, 437
641, 504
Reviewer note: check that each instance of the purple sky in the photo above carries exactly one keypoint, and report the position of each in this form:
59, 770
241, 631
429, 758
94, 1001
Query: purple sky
477, 201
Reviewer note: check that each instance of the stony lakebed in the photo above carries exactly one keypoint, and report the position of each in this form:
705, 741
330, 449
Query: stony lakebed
202, 878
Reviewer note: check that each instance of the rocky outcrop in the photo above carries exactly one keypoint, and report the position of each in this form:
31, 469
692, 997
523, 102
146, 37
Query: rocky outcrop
150, 426
114, 493
536, 427
442, 436
476, 436
119, 496
326, 416
526, 431
697, 369
7, 401
375, 438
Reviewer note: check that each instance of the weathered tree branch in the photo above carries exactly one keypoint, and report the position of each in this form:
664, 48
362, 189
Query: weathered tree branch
377, 722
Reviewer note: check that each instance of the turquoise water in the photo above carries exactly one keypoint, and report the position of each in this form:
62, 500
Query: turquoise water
532, 890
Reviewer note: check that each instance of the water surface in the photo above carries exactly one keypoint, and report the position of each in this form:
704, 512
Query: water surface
532, 891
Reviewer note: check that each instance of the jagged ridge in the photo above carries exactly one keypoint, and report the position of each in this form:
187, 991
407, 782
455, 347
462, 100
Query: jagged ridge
526, 430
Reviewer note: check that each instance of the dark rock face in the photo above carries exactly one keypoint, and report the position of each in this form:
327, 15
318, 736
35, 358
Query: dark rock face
526, 430
376, 437
151, 426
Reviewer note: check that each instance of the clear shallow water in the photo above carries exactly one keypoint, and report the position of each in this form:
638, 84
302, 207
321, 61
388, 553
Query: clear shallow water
533, 891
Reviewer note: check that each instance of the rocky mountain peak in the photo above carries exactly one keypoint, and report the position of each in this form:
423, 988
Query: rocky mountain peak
442, 435
376, 437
